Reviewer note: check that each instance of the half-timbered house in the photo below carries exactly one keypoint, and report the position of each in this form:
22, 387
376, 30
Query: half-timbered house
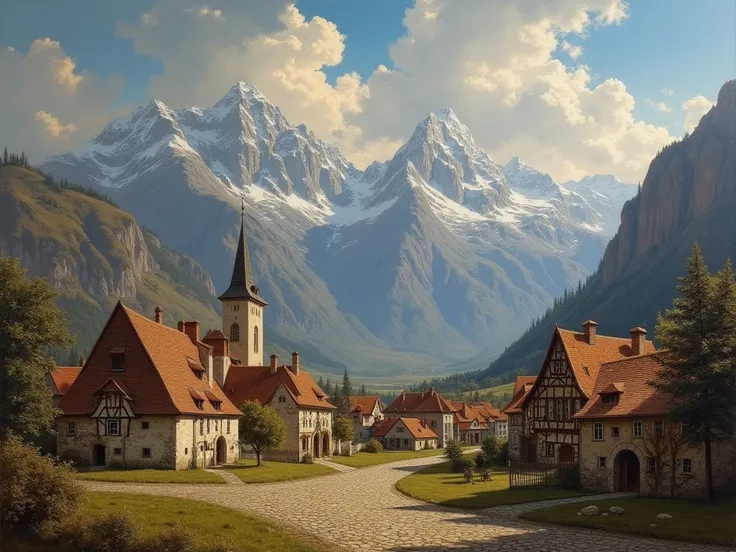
515, 417
549, 433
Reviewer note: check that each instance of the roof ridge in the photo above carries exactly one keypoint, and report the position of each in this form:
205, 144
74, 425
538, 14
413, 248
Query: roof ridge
629, 358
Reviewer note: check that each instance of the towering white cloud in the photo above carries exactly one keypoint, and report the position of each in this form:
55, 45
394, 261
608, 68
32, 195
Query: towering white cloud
694, 109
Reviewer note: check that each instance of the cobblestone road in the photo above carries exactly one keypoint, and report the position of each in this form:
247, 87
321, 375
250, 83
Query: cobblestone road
361, 510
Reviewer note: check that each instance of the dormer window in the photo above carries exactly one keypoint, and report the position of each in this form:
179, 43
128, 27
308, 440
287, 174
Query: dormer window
610, 398
196, 367
199, 403
117, 360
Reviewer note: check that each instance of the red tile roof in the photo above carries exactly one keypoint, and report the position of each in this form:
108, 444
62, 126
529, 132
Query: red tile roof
465, 414
586, 359
637, 398
413, 425
63, 377
425, 401
522, 387
365, 404
247, 383
157, 375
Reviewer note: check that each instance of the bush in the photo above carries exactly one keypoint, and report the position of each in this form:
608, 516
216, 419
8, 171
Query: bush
491, 448
114, 532
36, 492
374, 445
454, 454
464, 463
480, 461
308, 458
176, 539
503, 455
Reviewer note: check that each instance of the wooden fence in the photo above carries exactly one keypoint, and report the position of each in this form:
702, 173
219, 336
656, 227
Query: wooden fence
538, 474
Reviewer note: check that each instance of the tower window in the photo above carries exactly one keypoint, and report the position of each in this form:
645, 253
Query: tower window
255, 339
234, 332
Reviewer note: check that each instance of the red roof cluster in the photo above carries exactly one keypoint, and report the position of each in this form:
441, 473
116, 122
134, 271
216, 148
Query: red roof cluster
522, 387
414, 426
364, 404
424, 401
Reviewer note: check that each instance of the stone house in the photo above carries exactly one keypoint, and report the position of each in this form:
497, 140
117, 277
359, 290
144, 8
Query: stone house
502, 426
497, 421
406, 434
365, 411
426, 405
548, 431
628, 445
471, 424
148, 397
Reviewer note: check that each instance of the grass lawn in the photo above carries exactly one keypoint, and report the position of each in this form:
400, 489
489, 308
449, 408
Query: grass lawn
210, 524
271, 472
365, 459
691, 521
436, 484
151, 476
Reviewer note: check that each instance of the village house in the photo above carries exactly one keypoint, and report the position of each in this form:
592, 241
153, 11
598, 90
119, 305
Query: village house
547, 431
406, 434
147, 397
497, 420
628, 445
427, 405
514, 414
61, 379
474, 421
365, 412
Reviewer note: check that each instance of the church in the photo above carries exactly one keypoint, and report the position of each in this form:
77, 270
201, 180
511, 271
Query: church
153, 396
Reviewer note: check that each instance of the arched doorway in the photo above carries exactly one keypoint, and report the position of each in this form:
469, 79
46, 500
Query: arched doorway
477, 438
98, 455
626, 472
326, 445
221, 450
315, 454
566, 454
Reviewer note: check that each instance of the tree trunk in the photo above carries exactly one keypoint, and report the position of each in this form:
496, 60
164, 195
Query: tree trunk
708, 469
258, 457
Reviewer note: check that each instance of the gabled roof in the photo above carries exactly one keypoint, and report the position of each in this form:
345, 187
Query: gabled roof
364, 404
522, 387
521, 381
114, 385
586, 359
413, 426
637, 398
465, 414
425, 401
157, 375
63, 377
247, 383
241, 282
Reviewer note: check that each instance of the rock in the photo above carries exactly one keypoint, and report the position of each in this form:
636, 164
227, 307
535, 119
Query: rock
605, 514
580, 513
653, 525
617, 510
590, 511
664, 516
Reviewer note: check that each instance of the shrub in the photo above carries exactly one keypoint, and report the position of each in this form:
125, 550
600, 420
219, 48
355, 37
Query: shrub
114, 532
177, 539
503, 455
463, 464
480, 461
36, 492
308, 458
454, 454
491, 448
373, 445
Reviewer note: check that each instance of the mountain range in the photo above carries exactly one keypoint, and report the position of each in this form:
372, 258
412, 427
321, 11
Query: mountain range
403, 268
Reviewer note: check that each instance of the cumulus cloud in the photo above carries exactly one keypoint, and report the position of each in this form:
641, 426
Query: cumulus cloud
667, 91
572, 50
694, 109
53, 126
659, 106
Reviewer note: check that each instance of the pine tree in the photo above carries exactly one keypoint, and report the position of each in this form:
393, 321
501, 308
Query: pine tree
328, 387
5, 156
347, 387
321, 383
698, 339
363, 392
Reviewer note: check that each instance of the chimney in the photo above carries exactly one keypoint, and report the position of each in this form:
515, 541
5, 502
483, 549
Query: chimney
81, 360
295, 363
191, 328
589, 331
274, 363
180, 326
638, 336
220, 355
158, 315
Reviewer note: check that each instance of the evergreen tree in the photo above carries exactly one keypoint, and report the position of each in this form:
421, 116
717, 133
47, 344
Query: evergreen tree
336, 397
5, 156
321, 383
698, 338
347, 387
328, 387
362, 390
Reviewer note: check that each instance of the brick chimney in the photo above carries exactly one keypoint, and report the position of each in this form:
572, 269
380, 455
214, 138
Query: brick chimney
158, 316
274, 363
295, 363
638, 337
180, 326
589, 327
191, 328
81, 360
220, 355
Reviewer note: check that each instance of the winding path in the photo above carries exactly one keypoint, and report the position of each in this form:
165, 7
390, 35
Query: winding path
361, 510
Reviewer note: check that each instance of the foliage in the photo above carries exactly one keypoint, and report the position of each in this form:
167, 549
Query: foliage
261, 427
342, 429
30, 323
454, 454
480, 460
490, 452
373, 445
569, 477
666, 447
36, 493
308, 458
462, 465
698, 337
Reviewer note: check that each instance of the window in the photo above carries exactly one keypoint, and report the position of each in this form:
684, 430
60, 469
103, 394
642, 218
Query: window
400, 429
687, 465
235, 333
598, 431
601, 461
355, 418
217, 405
117, 451
146, 453
550, 450
568, 408
186, 451
615, 432
199, 403
652, 465
117, 361
576, 407
610, 398
201, 427
282, 399
255, 339
550, 410
228, 427
558, 409
406, 442
208, 425
558, 367
637, 429
144, 425
71, 429
434, 423
113, 427
659, 428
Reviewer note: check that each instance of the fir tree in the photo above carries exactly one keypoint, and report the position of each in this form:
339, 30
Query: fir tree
5, 156
698, 338
362, 390
321, 383
328, 387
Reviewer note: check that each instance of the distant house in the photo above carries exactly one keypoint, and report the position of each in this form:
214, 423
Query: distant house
427, 405
627, 444
497, 420
406, 434
61, 379
471, 423
514, 413
365, 411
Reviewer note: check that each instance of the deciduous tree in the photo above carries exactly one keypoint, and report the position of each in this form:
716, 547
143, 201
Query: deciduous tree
342, 429
261, 427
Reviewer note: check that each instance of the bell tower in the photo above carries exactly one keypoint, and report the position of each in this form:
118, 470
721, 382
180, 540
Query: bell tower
242, 307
